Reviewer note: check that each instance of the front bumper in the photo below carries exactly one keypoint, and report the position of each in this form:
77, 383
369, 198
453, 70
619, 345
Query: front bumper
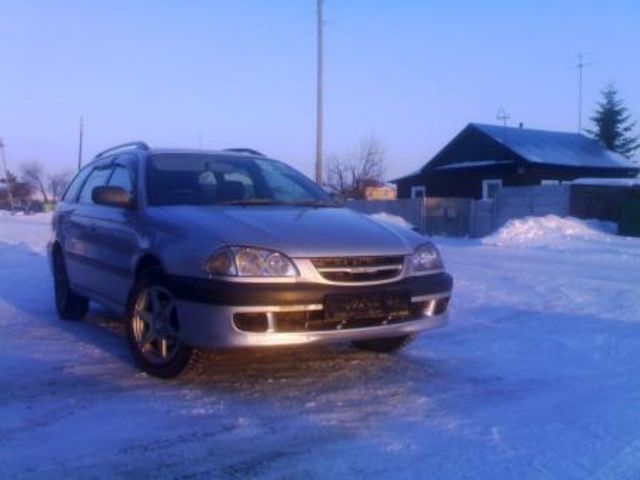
207, 309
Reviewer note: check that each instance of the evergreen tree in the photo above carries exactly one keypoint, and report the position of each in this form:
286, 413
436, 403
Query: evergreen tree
613, 125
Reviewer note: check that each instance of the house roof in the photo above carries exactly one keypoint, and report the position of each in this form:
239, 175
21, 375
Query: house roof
556, 148
475, 164
533, 146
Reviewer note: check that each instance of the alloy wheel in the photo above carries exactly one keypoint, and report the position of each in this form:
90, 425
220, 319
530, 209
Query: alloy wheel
155, 325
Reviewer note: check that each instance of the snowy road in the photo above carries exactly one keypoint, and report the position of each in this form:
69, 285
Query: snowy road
538, 376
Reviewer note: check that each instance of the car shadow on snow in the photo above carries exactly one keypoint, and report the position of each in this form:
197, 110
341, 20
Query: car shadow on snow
338, 374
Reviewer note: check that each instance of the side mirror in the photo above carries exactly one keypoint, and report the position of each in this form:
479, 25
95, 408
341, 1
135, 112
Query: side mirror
112, 197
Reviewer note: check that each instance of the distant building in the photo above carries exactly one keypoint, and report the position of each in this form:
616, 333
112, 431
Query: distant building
380, 192
482, 159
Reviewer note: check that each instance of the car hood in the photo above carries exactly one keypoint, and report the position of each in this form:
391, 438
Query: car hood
297, 231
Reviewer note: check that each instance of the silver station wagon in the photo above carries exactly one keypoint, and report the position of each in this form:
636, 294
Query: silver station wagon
207, 249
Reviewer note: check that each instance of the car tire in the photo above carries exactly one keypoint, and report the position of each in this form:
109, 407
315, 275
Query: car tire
384, 345
153, 328
69, 305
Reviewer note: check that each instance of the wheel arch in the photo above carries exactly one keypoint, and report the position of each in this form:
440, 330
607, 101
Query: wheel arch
145, 262
55, 249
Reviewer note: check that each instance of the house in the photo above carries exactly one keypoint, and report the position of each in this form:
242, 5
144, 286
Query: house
380, 192
482, 159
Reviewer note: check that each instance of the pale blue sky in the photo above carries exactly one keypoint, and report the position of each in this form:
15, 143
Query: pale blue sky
242, 73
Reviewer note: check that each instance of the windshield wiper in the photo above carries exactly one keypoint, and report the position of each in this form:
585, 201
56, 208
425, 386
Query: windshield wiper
271, 201
313, 203
251, 201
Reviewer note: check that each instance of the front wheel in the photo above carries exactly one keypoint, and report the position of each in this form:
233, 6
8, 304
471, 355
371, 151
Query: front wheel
386, 344
153, 328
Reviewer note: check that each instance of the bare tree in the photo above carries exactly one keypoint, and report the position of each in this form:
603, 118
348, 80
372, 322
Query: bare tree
20, 191
57, 183
33, 174
350, 176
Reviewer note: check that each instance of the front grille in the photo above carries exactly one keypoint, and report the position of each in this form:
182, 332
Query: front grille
359, 269
316, 321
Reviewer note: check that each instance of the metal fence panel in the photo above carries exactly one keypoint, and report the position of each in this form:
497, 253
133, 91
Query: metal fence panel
433, 216
461, 217
410, 209
518, 202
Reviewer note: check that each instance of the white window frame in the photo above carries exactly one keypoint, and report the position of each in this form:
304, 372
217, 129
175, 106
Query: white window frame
422, 189
548, 183
487, 183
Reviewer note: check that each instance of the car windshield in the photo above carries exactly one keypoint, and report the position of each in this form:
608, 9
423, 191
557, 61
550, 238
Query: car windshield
210, 179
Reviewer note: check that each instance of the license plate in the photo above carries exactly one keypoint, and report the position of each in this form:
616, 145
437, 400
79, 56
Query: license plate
348, 306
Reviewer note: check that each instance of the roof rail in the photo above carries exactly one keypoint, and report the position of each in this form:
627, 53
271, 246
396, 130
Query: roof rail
131, 145
247, 151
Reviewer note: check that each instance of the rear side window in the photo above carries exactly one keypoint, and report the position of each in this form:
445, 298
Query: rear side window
71, 195
97, 178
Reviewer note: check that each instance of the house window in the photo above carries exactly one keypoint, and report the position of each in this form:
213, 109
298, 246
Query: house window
418, 192
491, 188
546, 183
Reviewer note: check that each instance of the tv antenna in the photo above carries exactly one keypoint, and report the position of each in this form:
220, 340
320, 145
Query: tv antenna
503, 116
580, 67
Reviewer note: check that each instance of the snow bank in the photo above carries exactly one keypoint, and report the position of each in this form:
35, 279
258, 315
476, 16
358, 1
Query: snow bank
31, 231
549, 230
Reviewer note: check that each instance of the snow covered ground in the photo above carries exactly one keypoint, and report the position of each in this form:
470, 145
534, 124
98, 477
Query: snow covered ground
538, 376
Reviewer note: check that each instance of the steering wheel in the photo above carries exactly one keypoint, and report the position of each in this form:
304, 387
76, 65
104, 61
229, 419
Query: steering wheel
181, 196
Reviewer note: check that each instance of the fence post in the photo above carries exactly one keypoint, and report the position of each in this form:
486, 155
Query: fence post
531, 202
494, 212
472, 218
423, 215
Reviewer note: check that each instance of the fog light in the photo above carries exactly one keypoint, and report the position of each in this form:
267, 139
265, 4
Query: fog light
435, 307
251, 322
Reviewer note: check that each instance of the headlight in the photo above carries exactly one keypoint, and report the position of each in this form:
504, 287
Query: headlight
249, 262
426, 258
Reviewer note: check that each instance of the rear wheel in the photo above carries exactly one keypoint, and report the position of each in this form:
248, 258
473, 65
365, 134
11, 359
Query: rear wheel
69, 305
153, 328
386, 344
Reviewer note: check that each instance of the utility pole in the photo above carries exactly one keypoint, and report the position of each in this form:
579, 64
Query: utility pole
319, 119
6, 175
80, 140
